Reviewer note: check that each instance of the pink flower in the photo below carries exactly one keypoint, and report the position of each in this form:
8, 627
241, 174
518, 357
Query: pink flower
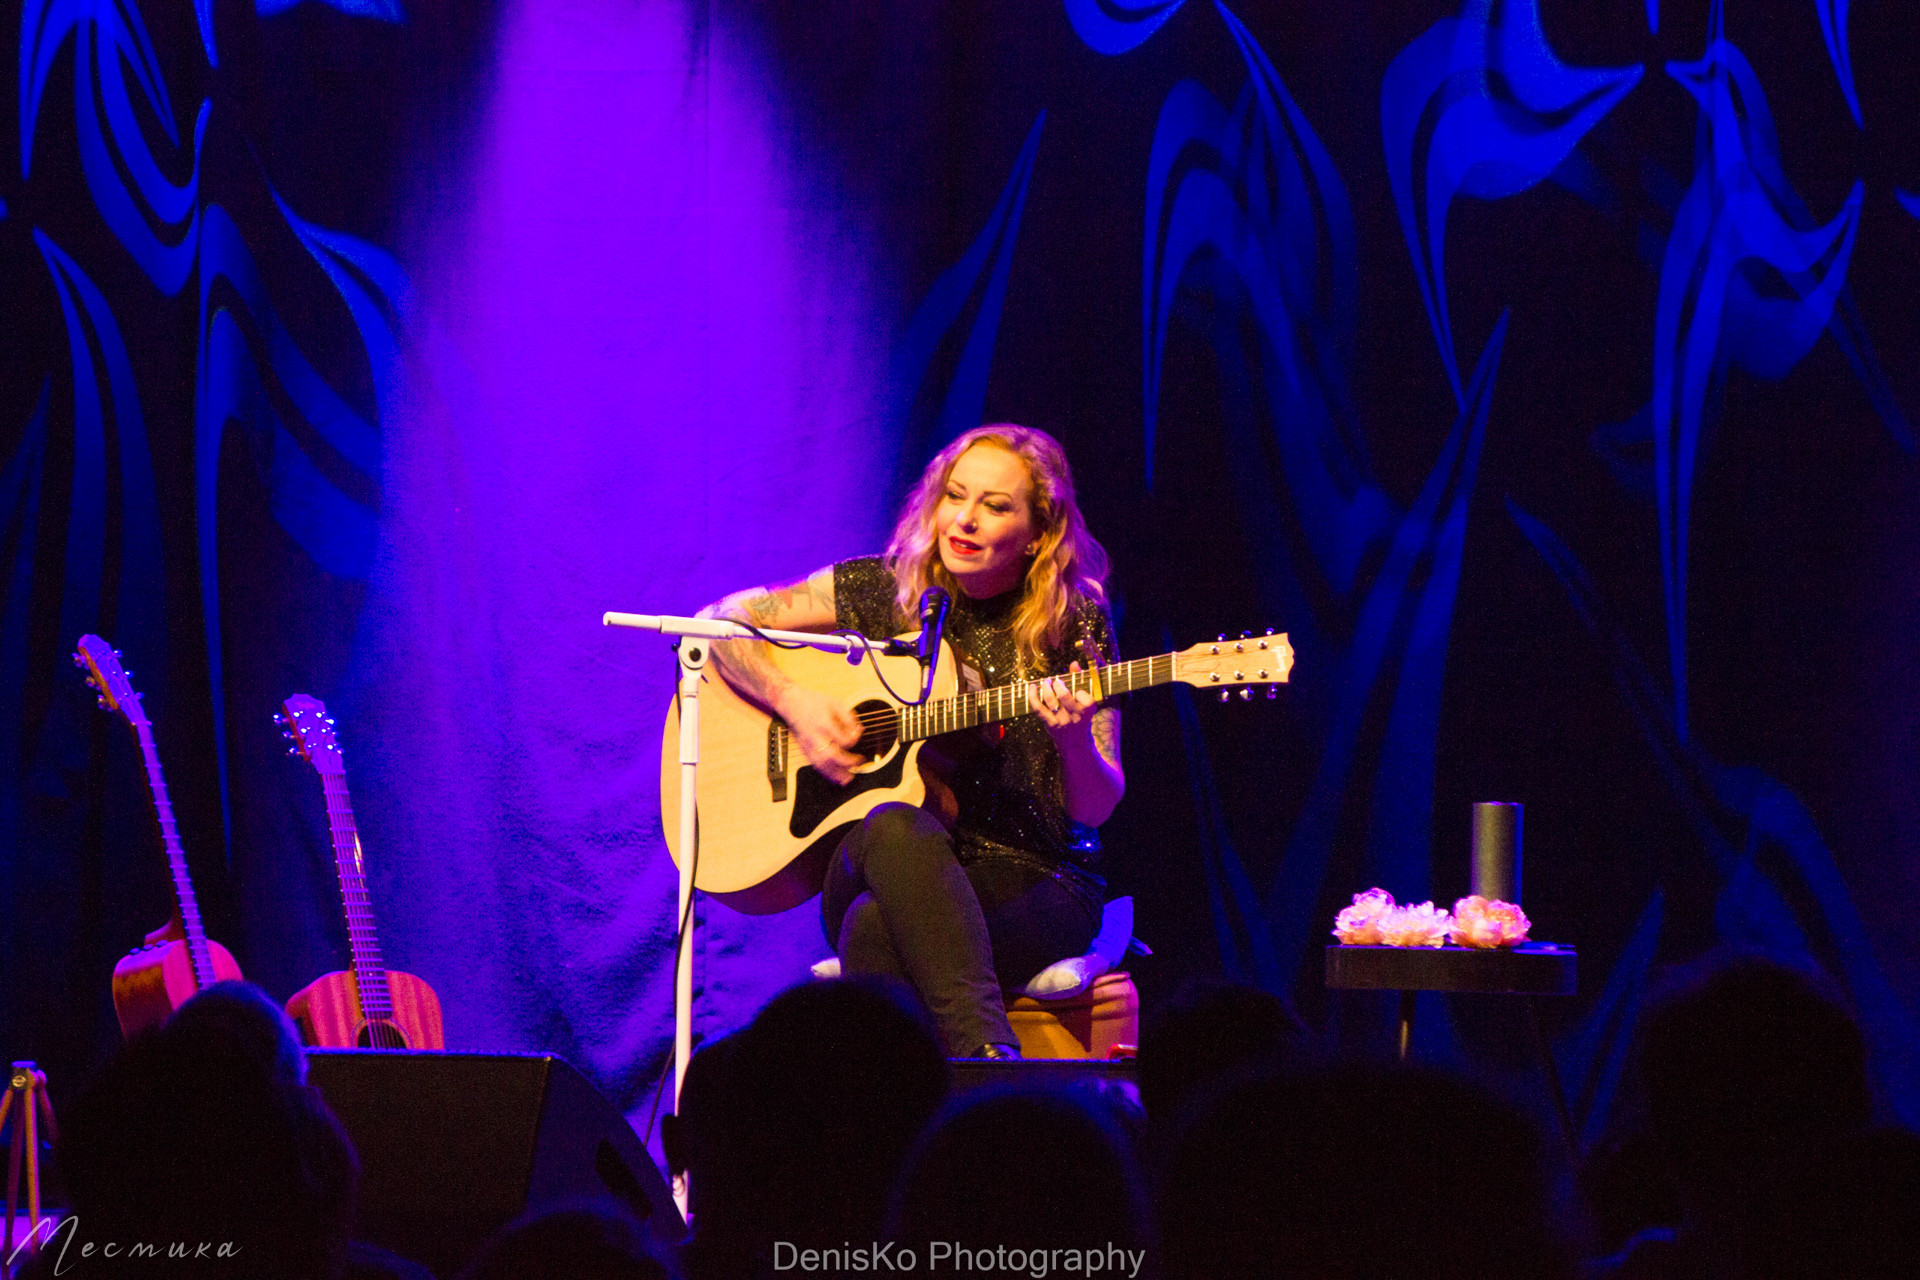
1423, 926
1478, 922
1359, 924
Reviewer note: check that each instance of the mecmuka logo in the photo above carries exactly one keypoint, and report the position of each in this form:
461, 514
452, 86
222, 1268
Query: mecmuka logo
72, 1248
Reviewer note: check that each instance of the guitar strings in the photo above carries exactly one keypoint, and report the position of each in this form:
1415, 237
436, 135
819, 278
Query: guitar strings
1077, 681
1100, 677
978, 695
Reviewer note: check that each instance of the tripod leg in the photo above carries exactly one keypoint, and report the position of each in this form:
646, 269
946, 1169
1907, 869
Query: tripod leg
29, 1114
46, 1112
14, 1154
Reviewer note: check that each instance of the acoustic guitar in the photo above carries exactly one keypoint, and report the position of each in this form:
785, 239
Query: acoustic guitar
769, 820
176, 960
369, 1006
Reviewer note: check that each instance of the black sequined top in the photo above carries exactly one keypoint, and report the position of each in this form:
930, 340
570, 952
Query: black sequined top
1011, 800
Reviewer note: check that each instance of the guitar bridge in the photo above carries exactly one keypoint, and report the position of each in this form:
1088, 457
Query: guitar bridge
777, 760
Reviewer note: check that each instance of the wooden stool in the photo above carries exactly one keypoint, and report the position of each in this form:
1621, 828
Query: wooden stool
1090, 1025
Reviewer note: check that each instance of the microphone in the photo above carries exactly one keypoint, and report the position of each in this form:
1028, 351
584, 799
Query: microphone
933, 620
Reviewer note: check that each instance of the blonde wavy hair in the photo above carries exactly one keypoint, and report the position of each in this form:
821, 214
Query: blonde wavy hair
1066, 565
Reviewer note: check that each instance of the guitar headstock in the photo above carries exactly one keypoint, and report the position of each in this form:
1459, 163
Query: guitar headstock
1245, 662
101, 662
305, 723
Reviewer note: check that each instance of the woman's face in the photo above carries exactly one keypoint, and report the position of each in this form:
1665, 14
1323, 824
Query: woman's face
984, 523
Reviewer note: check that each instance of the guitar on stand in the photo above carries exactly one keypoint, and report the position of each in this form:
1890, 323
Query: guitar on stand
176, 960
768, 820
371, 1006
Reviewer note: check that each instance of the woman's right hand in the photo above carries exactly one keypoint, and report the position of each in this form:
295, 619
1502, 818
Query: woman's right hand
824, 730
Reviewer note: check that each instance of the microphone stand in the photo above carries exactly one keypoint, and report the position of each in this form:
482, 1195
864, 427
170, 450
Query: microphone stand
696, 634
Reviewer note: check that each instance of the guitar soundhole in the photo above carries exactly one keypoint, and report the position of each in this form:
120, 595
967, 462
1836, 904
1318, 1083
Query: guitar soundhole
880, 725
381, 1035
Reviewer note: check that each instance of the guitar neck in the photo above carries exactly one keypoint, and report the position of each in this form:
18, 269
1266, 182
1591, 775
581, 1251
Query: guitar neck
369, 970
1008, 701
198, 952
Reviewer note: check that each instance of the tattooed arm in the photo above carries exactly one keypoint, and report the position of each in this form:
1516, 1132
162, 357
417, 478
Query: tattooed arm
822, 729
1089, 741
806, 605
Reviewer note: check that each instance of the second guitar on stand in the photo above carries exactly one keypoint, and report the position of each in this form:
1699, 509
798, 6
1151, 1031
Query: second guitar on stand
177, 960
371, 1006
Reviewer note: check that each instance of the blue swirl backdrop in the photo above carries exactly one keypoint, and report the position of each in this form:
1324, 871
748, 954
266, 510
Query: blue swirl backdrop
1544, 368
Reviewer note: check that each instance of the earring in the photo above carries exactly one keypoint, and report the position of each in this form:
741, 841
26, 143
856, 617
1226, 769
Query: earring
1032, 547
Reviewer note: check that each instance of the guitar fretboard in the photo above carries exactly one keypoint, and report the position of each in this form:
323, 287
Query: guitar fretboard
1005, 702
198, 953
369, 970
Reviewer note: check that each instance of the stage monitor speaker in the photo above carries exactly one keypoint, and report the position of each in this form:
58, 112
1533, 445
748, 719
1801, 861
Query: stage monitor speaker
453, 1146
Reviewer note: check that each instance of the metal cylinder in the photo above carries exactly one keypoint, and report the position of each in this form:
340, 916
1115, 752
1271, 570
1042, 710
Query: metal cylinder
1496, 850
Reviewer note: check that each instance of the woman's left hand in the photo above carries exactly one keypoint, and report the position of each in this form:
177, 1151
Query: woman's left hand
1067, 712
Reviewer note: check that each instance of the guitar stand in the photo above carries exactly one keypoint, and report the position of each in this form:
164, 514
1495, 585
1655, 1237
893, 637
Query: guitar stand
26, 1103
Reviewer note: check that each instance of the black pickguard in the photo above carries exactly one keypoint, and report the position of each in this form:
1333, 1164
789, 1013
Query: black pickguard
815, 799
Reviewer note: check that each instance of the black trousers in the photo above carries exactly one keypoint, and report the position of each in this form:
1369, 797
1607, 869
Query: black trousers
896, 902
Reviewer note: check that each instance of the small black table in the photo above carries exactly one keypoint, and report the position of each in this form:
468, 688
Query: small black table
1530, 969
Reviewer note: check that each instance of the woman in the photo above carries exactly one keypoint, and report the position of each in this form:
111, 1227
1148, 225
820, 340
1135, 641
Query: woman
1015, 884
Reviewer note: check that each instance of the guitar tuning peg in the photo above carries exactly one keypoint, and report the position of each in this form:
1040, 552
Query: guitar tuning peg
293, 751
1246, 635
1219, 638
1225, 694
278, 718
116, 656
1269, 630
1246, 693
79, 661
1273, 691
103, 703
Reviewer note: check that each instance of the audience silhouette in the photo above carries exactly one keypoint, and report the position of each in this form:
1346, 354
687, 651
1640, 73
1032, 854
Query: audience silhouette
820, 1126
571, 1242
1753, 1076
797, 1133
201, 1142
1209, 1029
1025, 1168
1357, 1172
1848, 1207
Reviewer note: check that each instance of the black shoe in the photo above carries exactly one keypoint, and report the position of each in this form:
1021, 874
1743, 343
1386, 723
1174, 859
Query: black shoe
999, 1052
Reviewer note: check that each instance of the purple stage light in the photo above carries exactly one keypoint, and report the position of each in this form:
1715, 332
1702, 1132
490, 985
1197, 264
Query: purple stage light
655, 372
